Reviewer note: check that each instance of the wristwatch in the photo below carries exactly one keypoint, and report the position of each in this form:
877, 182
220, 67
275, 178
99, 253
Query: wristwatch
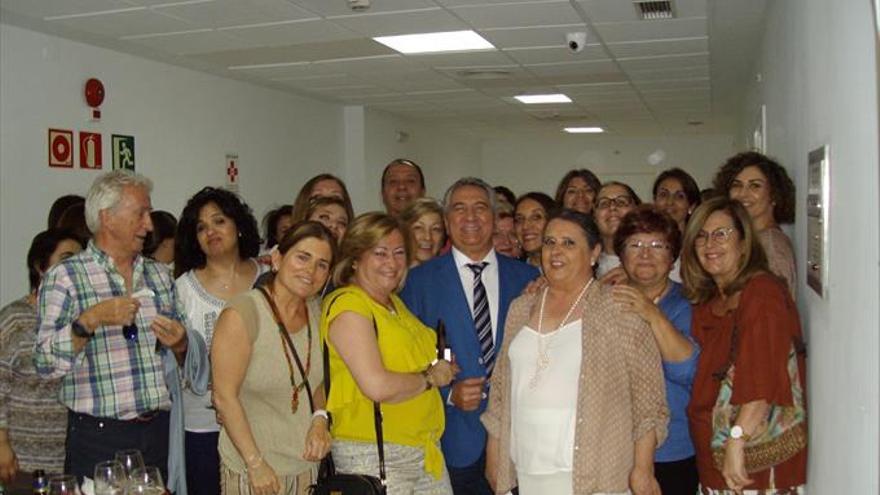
79, 330
737, 432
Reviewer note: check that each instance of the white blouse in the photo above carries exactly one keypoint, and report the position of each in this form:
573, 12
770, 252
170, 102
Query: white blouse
544, 405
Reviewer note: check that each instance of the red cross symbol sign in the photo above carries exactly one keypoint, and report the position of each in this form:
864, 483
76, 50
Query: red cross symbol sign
232, 172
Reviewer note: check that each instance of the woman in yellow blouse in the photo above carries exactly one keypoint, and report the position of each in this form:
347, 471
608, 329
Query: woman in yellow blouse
394, 365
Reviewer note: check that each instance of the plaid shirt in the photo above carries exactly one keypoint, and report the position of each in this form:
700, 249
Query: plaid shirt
110, 377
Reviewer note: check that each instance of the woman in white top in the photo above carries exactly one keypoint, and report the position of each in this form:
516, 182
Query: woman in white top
577, 402
217, 239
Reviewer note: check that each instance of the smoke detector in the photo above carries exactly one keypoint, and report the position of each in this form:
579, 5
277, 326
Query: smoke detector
359, 5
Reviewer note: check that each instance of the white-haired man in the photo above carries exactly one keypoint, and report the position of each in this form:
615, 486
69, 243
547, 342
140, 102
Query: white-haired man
106, 321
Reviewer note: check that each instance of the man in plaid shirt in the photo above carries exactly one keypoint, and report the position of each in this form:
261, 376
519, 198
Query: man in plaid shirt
106, 316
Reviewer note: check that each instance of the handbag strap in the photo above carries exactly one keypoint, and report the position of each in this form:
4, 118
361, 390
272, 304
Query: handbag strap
283, 330
377, 410
797, 342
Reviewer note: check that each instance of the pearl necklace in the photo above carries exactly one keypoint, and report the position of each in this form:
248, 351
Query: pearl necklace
543, 360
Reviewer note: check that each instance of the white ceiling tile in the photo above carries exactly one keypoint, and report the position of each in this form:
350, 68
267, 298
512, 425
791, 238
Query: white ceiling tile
663, 84
652, 30
671, 73
458, 3
292, 33
389, 24
309, 82
192, 43
379, 63
554, 54
547, 13
280, 72
220, 13
528, 37
340, 7
664, 62
653, 48
126, 23
40, 9
461, 59
574, 68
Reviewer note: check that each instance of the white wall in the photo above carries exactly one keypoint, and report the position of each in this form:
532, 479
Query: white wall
537, 162
443, 155
820, 87
184, 123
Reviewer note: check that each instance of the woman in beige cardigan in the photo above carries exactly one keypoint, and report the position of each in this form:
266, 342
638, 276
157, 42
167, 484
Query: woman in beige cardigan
578, 402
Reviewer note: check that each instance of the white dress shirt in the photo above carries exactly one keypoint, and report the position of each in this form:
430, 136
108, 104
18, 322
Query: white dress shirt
490, 282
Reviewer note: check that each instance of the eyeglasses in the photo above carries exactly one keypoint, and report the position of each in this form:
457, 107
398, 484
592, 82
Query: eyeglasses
622, 201
719, 236
653, 247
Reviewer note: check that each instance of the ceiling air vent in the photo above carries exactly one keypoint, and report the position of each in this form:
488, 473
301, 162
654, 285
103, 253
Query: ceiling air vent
649, 10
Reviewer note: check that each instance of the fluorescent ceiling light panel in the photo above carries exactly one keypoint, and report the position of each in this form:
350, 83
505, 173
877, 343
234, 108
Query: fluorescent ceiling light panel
584, 130
451, 41
537, 99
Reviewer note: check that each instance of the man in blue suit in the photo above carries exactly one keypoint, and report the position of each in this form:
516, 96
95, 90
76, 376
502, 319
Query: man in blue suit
469, 289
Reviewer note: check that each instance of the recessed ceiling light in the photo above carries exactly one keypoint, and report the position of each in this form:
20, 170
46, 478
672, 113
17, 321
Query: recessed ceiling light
584, 130
451, 41
536, 99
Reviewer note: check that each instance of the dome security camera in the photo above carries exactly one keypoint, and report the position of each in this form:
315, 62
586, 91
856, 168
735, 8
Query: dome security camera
576, 41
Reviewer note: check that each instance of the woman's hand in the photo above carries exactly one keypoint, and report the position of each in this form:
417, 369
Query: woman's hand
615, 276
642, 482
536, 285
317, 440
442, 373
262, 479
734, 470
635, 301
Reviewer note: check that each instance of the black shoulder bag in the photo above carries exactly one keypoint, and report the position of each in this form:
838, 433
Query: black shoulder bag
329, 481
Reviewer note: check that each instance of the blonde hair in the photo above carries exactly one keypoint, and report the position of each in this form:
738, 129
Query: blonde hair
362, 235
699, 286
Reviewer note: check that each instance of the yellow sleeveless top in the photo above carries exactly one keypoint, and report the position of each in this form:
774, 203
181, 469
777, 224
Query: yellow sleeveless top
406, 346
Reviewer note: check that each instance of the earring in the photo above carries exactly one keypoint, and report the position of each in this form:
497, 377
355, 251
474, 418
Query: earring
274, 269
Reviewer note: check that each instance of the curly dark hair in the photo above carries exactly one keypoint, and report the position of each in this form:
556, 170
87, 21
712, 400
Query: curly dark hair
187, 252
781, 185
588, 176
648, 220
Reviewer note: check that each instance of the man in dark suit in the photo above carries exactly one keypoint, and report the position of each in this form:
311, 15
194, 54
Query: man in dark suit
469, 289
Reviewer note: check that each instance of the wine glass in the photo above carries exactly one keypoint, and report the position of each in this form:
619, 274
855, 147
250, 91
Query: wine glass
149, 475
130, 460
109, 478
64, 484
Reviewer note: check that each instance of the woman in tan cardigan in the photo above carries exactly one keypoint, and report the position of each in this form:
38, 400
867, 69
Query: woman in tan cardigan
578, 402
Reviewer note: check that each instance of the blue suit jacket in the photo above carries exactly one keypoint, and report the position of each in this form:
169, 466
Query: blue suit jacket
433, 292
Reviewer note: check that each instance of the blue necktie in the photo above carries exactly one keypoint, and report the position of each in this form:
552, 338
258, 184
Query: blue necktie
482, 321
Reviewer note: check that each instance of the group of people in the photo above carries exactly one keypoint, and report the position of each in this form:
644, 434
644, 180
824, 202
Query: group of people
570, 344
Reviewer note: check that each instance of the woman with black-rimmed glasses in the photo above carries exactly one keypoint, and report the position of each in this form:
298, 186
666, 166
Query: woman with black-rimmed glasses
614, 200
